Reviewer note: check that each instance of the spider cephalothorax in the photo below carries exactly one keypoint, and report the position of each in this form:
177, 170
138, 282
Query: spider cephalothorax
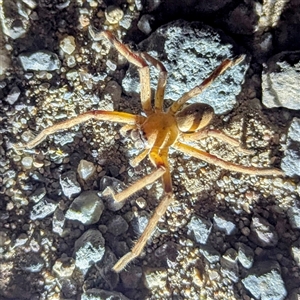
159, 131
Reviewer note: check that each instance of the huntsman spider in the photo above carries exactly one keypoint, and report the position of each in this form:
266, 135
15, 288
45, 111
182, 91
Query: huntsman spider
161, 129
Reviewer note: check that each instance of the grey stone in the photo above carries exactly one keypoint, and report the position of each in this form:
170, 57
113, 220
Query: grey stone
97, 294
245, 255
290, 163
13, 95
293, 214
167, 254
190, 51
32, 262
89, 249
42, 60
104, 267
58, 222
87, 208
265, 282
280, 81
199, 229
132, 277
117, 225
15, 19
42, 209
262, 232
69, 184
86, 169
38, 194
229, 266
68, 287
295, 251
139, 222
224, 225
210, 253
111, 96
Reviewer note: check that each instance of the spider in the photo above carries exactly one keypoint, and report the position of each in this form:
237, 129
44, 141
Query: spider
161, 129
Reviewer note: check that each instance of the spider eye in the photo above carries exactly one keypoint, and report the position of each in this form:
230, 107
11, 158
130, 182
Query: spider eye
194, 117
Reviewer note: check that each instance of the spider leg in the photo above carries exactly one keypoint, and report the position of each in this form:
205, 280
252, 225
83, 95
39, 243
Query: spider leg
212, 159
162, 80
102, 115
140, 184
201, 134
143, 69
135, 161
227, 63
158, 213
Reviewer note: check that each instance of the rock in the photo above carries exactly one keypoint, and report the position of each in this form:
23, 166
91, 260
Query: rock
27, 162
89, 249
229, 266
64, 267
87, 208
245, 255
280, 81
105, 266
15, 19
190, 51
265, 282
262, 232
111, 95
42, 60
58, 222
113, 14
5, 61
155, 278
144, 24
13, 95
199, 229
97, 294
69, 287
290, 163
67, 44
21, 240
117, 225
131, 279
210, 253
167, 254
222, 224
295, 251
111, 186
241, 20
139, 222
38, 194
42, 209
69, 184
32, 262
293, 214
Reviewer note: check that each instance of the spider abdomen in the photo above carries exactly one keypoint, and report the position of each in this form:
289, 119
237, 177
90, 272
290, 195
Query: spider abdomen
194, 117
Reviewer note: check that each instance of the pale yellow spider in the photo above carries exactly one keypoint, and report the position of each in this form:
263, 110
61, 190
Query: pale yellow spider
161, 130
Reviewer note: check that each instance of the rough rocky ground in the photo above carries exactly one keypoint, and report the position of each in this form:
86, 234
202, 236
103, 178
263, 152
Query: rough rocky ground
227, 235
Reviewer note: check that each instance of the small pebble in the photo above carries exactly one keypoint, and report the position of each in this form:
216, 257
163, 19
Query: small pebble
113, 14
27, 162
68, 44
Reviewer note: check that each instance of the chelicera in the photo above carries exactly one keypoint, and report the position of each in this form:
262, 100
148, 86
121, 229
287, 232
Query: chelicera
161, 129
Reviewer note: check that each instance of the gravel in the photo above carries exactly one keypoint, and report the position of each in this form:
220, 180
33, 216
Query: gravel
226, 235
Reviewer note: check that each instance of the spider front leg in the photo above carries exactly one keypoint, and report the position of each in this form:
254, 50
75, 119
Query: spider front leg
143, 69
101, 115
